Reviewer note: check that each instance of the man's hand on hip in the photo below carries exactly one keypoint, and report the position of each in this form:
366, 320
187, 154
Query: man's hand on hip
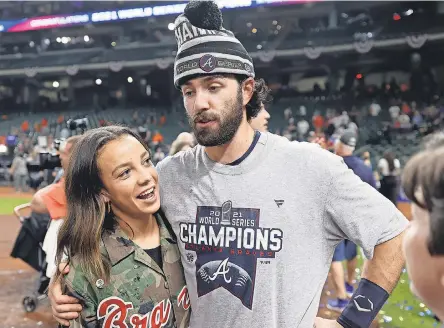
64, 308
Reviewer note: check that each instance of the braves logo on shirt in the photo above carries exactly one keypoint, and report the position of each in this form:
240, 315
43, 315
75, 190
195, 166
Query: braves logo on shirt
228, 241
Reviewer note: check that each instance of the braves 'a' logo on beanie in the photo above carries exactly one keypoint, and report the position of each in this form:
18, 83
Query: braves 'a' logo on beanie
207, 63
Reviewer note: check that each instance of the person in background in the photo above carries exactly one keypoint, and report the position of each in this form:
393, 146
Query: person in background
260, 122
158, 155
433, 141
157, 138
52, 198
27, 145
366, 159
423, 184
178, 147
389, 169
19, 172
184, 141
318, 122
288, 113
353, 125
347, 250
302, 128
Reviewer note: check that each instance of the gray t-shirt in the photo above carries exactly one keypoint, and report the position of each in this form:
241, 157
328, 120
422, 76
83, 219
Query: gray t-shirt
257, 239
20, 167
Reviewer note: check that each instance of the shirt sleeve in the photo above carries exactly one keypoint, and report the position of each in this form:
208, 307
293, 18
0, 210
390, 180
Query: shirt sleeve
356, 211
79, 287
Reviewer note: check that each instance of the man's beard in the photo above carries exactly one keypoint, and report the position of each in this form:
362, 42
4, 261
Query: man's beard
228, 124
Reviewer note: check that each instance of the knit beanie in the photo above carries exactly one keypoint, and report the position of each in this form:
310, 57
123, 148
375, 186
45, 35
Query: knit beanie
205, 47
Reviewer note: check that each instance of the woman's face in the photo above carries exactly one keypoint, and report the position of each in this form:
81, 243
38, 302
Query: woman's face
129, 178
425, 271
260, 122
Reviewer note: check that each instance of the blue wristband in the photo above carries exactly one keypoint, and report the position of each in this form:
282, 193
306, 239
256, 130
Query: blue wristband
364, 305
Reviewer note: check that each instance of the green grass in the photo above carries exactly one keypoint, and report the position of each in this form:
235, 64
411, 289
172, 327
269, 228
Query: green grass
7, 204
403, 308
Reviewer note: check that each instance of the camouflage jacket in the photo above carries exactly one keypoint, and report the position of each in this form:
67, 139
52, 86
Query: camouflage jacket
139, 293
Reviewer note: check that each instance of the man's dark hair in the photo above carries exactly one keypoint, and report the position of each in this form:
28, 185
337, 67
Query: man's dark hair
261, 95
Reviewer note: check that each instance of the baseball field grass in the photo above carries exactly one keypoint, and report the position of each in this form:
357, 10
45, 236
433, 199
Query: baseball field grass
403, 309
8, 203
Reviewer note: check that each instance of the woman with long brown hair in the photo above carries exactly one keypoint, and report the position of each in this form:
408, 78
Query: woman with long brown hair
124, 261
389, 170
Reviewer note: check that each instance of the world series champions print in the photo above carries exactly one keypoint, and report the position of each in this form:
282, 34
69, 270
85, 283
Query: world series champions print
227, 242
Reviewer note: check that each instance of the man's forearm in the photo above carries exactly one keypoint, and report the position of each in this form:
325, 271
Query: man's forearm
38, 204
386, 266
380, 276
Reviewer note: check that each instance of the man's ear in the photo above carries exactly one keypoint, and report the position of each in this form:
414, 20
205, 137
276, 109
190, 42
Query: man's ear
247, 90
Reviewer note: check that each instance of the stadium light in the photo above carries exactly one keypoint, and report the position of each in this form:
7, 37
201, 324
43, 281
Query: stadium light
59, 39
55, 84
98, 81
86, 38
130, 79
171, 26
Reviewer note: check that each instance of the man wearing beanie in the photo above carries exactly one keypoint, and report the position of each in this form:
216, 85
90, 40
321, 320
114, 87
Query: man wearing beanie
258, 217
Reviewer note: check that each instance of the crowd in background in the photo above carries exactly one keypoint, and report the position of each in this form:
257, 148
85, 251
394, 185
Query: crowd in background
387, 114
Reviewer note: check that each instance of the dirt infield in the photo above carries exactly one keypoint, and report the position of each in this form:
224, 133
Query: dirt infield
9, 192
18, 280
